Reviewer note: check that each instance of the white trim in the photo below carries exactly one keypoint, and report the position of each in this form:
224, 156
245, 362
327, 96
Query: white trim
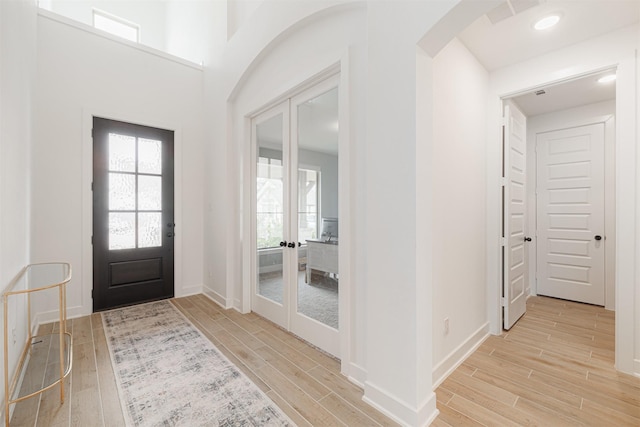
443, 369
88, 113
399, 410
89, 29
192, 290
636, 372
217, 298
346, 173
355, 373
51, 316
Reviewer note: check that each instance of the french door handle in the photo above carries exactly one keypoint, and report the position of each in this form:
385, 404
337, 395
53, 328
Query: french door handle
291, 245
598, 237
527, 239
283, 243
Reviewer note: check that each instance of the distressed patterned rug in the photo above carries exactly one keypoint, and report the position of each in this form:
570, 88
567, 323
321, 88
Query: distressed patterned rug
169, 374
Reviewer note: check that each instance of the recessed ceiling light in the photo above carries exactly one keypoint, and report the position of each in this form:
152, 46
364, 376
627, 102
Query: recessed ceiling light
607, 79
547, 22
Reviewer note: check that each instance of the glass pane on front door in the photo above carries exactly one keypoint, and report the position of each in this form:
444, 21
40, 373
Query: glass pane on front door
135, 192
317, 206
270, 209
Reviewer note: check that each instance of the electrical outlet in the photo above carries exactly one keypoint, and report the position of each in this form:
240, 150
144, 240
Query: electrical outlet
446, 325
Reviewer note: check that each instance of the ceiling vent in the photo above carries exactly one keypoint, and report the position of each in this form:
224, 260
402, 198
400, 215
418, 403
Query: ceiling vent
511, 8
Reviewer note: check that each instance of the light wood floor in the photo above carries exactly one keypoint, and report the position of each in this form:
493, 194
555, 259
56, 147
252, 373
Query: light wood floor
304, 382
554, 368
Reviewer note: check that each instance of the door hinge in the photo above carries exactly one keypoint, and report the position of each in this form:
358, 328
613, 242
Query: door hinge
504, 121
91, 185
503, 181
92, 240
91, 293
503, 241
502, 302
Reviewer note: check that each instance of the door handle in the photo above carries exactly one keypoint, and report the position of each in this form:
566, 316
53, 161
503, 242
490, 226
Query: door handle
598, 237
527, 239
291, 245
283, 243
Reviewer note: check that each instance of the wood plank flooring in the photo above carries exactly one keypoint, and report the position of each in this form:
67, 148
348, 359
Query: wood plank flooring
554, 368
304, 382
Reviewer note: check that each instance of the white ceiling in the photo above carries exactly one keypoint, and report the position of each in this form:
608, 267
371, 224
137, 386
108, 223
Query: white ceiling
514, 39
583, 91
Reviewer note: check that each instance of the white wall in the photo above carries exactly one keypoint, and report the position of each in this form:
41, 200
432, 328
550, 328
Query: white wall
460, 88
328, 166
17, 65
389, 346
189, 28
238, 11
81, 74
593, 113
149, 15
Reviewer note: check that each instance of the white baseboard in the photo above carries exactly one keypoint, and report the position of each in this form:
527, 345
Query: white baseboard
54, 316
443, 369
356, 374
191, 290
216, 297
398, 410
636, 368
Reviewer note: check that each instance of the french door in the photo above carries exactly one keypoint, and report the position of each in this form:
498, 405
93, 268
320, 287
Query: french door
295, 213
133, 214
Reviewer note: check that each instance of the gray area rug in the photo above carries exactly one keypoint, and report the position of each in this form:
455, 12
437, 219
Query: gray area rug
169, 374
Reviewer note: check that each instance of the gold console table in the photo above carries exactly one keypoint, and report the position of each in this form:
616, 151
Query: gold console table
36, 278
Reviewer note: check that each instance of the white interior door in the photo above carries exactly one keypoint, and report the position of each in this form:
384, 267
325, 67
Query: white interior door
570, 200
515, 277
314, 141
271, 214
295, 206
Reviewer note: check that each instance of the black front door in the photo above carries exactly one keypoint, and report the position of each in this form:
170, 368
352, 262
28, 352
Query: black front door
133, 222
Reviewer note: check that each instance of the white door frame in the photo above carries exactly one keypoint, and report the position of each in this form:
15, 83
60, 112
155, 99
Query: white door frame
626, 163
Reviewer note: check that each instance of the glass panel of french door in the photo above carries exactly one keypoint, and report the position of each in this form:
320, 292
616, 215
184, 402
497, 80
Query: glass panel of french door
314, 153
270, 133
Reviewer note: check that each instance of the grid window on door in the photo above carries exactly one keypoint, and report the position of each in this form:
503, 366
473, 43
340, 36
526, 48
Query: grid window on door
135, 192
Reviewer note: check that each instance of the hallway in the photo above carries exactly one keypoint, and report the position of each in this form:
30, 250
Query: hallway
554, 367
